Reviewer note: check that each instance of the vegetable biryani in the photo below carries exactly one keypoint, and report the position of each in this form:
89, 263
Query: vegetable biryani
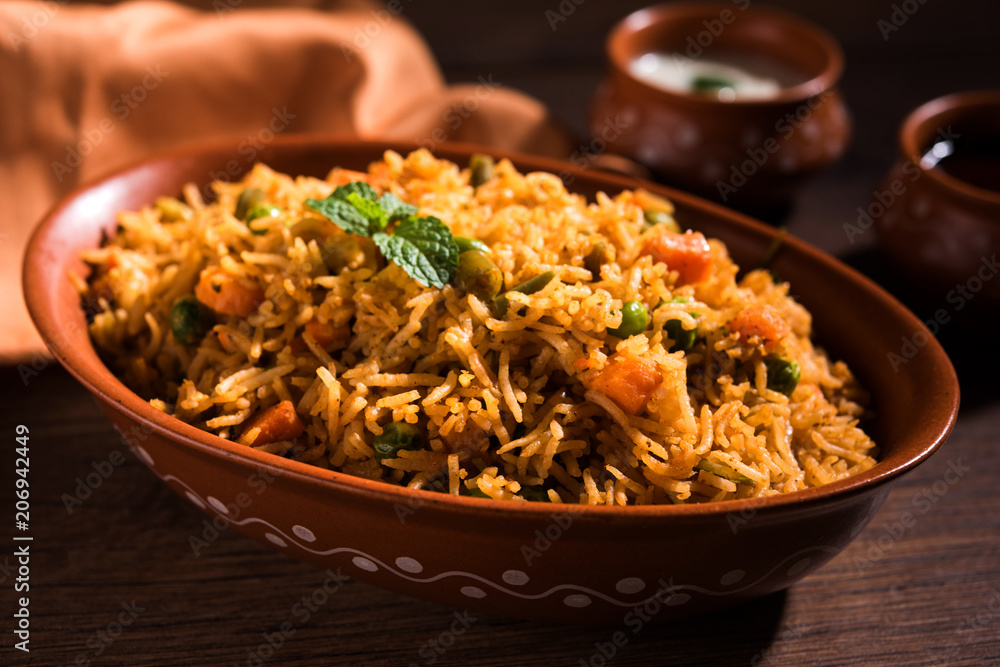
476, 332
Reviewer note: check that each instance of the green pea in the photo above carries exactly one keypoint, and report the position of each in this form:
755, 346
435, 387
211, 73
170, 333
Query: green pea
683, 338
466, 244
527, 287
190, 320
782, 375
261, 211
396, 436
248, 199
599, 255
634, 320
172, 209
477, 274
480, 169
655, 217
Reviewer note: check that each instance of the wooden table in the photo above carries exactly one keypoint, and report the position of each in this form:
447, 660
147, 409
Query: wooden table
114, 580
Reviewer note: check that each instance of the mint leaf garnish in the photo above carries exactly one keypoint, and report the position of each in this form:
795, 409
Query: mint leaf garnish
359, 188
424, 248
352, 207
372, 212
342, 213
395, 208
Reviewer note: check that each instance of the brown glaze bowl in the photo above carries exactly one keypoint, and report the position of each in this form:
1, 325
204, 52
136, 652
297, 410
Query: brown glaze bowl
556, 562
943, 232
744, 153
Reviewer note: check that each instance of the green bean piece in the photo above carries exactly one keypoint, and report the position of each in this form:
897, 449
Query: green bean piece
480, 169
634, 320
534, 494
535, 284
772, 250
720, 470
599, 255
782, 375
190, 320
246, 202
396, 436
477, 274
683, 338
466, 244
477, 493
172, 209
527, 287
437, 486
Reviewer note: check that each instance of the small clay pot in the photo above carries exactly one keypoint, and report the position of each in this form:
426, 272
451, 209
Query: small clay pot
746, 152
942, 231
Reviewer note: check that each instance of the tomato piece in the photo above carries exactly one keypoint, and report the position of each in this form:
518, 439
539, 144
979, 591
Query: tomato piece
276, 423
228, 294
688, 254
327, 333
629, 382
760, 320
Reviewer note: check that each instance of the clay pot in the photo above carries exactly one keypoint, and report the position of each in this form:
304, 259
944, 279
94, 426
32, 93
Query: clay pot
745, 152
943, 232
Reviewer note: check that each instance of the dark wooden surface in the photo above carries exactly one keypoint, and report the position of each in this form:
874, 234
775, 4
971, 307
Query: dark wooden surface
927, 593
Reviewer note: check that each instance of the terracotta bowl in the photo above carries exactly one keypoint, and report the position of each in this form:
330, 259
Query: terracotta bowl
535, 560
943, 232
747, 153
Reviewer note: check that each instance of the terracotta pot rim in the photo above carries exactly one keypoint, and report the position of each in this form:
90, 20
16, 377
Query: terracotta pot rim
617, 41
85, 365
926, 119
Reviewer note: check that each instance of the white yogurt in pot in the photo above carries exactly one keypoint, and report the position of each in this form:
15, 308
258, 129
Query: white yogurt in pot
723, 77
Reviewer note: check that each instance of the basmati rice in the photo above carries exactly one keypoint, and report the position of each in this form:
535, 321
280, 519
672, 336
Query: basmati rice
523, 405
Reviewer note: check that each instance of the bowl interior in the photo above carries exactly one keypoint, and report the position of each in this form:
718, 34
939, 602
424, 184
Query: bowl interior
916, 398
959, 119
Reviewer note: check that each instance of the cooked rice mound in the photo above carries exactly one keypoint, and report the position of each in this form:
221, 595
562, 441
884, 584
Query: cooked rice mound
317, 344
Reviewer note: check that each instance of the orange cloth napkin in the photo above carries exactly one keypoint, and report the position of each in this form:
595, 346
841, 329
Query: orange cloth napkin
87, 89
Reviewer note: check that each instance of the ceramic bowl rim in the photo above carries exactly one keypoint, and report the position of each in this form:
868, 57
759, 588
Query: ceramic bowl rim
85, 365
